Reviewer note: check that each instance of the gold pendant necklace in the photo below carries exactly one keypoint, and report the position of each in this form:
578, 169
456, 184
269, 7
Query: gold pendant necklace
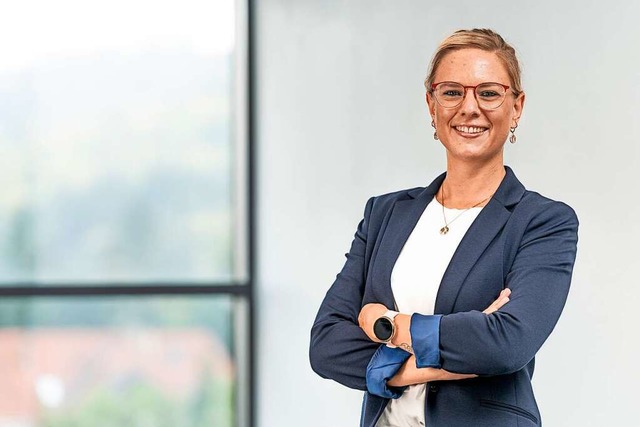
444, 230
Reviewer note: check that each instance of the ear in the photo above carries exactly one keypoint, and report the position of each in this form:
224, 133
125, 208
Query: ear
518, 105
431, 103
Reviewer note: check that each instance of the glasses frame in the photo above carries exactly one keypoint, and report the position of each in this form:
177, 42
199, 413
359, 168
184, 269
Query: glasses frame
475, 95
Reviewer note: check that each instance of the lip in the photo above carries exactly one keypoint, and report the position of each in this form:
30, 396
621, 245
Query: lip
470, 131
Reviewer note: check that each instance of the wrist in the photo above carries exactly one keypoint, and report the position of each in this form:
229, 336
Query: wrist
384, 327
402, 336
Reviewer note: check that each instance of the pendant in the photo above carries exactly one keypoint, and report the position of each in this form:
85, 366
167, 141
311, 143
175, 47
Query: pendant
444, 230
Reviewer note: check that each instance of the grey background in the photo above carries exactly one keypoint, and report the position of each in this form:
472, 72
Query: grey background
341, 117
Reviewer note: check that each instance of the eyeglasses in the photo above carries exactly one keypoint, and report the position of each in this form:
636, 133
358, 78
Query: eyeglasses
451, 94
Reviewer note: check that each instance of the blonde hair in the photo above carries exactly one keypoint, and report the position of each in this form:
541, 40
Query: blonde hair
484, 39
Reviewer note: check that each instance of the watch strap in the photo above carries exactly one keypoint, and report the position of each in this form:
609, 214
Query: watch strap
390, 314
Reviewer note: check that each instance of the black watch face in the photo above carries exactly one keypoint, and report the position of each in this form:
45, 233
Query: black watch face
383, 329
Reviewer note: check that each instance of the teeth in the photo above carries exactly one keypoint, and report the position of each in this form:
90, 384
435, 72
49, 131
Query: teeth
470, 129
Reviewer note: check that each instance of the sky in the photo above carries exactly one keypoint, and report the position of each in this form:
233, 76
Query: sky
39, 30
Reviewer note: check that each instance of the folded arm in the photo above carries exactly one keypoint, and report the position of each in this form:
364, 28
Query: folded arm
390, 370
474, 343
339, 349
539, 278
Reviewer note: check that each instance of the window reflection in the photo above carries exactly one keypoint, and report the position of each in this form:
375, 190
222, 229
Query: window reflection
146, 363
116, 143
116, 162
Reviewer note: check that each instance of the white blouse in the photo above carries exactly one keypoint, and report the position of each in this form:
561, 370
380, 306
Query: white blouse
415, 280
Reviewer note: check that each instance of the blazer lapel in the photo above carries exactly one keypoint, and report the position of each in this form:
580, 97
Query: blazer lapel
486, 226
404, 217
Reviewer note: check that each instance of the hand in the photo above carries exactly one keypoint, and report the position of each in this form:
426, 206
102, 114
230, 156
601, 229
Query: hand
368, 315
502, 299
409, 374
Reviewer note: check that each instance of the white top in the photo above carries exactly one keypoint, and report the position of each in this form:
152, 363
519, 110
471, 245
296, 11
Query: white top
415, 280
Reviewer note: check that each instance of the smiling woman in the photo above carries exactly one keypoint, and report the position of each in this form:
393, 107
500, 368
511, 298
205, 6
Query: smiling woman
472, 105
450, 290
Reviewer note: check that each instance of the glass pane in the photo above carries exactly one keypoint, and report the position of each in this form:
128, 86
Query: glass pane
113, 362
116, 141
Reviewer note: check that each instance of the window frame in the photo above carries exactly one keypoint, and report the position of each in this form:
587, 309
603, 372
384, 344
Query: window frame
242, 290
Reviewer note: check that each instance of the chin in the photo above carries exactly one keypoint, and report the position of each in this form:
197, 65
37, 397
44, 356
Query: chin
475, 154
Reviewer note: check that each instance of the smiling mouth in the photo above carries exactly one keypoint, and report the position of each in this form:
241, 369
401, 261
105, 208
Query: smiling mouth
470, 130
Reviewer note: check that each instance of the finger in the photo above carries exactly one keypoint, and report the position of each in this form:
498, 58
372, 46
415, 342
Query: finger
502, 299
496, 305
501, 303
504, 293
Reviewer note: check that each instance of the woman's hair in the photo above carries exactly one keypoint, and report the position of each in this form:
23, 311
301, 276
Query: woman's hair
483, 39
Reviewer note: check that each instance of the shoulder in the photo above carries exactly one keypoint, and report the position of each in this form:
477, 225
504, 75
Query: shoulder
537, 206
397, 195
384, 202
537, 216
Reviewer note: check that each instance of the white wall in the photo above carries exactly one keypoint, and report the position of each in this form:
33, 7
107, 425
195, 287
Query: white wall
341, 117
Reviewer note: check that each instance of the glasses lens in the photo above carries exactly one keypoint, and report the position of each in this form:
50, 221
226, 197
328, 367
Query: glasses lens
490, 95
449, 94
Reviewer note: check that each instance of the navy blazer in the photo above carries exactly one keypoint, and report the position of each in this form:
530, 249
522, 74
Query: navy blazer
520, 240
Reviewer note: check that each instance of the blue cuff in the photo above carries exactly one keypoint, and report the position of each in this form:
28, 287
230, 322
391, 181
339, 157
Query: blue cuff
384, 364
425, 339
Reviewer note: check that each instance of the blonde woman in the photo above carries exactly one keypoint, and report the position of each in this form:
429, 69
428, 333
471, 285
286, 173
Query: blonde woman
449, 290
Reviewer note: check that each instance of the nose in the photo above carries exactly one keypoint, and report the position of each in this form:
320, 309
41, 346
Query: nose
469, 104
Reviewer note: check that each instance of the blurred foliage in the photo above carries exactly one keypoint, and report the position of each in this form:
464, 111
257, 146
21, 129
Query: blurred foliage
118, 167
214, 313
144, 406
130, 178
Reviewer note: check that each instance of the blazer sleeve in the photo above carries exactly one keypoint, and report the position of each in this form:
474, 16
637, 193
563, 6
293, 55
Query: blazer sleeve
505, 341
339, 349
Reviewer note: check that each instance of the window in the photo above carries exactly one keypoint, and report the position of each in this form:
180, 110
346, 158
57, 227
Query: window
158, 361
125, 277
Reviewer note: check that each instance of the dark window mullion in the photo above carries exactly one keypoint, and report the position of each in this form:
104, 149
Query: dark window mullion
33, 290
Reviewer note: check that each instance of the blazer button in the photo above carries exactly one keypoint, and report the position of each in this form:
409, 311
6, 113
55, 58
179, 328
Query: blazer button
433, 388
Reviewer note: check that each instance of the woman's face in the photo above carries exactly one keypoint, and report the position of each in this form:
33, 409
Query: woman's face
468, 132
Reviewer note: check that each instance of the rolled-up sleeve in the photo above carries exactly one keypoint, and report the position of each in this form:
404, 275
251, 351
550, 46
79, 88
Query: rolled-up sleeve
384, 364
425, 338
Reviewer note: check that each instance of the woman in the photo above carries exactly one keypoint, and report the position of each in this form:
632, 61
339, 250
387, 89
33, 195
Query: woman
403, 318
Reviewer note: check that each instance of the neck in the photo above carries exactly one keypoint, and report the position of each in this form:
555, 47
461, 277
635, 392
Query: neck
469, 183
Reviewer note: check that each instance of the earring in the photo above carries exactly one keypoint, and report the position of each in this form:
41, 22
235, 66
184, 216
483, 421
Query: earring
512, 138
435, 133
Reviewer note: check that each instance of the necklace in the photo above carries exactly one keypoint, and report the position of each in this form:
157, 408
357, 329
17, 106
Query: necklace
444, 230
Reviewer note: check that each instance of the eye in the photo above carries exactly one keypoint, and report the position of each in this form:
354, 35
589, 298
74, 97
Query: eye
452, 93
488, 94
490, 91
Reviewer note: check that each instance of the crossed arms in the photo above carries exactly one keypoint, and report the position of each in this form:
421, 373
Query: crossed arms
504, 338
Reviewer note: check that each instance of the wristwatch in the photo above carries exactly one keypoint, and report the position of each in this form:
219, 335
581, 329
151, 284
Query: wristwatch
384, 327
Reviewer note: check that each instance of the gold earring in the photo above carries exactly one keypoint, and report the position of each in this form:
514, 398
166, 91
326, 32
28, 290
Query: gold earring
435, 133
512, 138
